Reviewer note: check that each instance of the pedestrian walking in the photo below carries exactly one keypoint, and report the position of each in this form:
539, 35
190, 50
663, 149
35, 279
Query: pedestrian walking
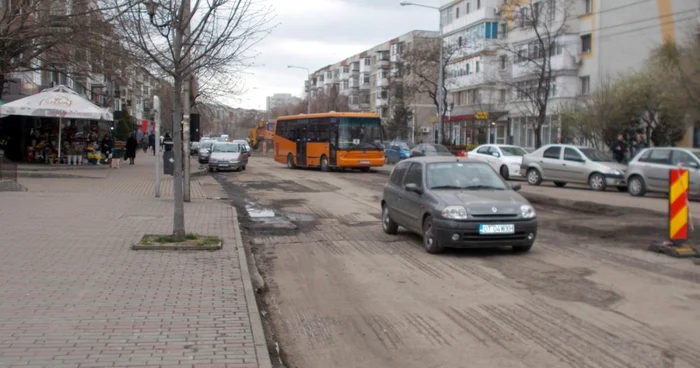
152, 143
618, 149
131, 146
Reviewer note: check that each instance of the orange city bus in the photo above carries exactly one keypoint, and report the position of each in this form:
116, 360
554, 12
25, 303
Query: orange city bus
329, 140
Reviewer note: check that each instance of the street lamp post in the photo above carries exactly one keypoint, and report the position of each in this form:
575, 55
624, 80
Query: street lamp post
308, 87
441, 71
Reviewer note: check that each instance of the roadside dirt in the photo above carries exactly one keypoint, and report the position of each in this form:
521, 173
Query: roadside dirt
341, 293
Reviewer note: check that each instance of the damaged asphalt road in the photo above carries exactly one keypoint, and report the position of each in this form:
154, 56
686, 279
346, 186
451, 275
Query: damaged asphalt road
341, 293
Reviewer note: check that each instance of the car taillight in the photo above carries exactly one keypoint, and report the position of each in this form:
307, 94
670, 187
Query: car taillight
462, 154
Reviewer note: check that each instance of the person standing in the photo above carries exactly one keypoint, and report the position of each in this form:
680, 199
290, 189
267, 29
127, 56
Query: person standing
618, 148
640, 144
106, 146
152, 143
131, 146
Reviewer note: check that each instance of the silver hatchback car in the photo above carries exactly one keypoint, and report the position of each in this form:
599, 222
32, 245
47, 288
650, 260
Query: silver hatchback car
564, 163
649, 170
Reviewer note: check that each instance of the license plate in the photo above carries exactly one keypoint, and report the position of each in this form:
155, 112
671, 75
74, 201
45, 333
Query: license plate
223, 165
497, 229
364, 162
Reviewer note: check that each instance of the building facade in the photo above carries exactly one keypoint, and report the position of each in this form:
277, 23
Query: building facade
369, 80
491, 62
281, 99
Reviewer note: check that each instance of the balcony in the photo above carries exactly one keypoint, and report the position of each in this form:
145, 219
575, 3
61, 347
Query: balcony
383, 62
382, 82
354, 82
486, 12
560, 62
396, 58
355, 68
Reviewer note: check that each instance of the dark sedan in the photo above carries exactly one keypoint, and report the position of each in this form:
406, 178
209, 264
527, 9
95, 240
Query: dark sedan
456, 203
430, 149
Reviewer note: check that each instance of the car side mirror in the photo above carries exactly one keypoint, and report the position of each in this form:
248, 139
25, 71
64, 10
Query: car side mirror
412, 187
495, 154
693, 165
516, 187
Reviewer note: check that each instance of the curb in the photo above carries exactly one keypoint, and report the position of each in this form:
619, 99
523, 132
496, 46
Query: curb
586, 206
55, 175
262, 355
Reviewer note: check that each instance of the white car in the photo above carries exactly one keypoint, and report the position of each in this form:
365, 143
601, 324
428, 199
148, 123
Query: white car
228, 156
505, 159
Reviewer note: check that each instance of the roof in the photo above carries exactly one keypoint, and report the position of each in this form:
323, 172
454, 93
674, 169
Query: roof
330, 115
432, 159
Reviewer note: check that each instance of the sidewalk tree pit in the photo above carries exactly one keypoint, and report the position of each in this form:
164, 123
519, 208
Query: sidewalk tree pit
179, 242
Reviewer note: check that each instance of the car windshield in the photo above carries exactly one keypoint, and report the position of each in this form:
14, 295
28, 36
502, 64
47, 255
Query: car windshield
513, 151
228, 147
463, 175
360, 134
206, 144
595, 155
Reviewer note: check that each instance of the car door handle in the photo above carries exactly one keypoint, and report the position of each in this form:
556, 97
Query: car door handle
563, 164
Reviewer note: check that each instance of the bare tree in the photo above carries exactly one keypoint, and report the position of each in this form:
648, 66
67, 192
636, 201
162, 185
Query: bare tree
68, 37
331, 100
182, 39
421, 72
542, 25
682, 61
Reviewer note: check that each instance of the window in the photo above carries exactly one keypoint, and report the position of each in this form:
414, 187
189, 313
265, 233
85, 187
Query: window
365, 78
491, 30
457, 12
504, 28
399, 172
552, 152
459, 41
346, 70
657, 156
368, 61
478, 4
570, 154
502, 96
345, 85
589, 6
585, 85
484, 150
415, 175
503, 59
586, 44
478, 66
446, 17
682, 158
469, 6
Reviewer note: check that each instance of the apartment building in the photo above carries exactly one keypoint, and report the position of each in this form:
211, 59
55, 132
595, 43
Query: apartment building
369, 78
281, 99
488, 73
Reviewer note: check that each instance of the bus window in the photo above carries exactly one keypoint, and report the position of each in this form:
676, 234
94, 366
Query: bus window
360, 133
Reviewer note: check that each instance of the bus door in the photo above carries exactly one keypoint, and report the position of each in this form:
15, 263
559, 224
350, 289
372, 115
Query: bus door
301, 144
333, 145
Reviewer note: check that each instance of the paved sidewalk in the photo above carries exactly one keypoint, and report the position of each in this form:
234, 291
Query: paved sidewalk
74, 295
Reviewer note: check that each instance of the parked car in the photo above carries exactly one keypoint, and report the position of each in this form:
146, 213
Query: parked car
194, 148
204, 151
505, 159
245, 144
563, 163
649, 170
430, 149
397, 151
228, 156
457, 203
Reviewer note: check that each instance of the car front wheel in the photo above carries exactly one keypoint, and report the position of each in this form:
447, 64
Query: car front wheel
430, 243
597, 182
636, 186
534, 177
504, 172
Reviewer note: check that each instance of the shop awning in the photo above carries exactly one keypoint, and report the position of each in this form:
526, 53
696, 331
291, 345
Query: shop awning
58, 102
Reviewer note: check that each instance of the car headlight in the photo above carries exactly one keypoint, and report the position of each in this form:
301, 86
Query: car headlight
455, 212
234, 161
614, 172
212, 160
527, 211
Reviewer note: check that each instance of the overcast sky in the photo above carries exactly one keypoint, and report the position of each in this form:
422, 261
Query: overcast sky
315, 33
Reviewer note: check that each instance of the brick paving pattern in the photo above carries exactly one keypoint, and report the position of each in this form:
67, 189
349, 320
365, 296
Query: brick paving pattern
74, 295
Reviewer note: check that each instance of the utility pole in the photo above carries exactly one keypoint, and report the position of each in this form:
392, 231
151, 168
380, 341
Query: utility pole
186, 99
156, 132
308, 86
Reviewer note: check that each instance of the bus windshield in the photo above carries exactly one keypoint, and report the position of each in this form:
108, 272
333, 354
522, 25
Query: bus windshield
360, 134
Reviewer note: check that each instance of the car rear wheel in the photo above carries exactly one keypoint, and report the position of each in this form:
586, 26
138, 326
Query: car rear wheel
534, 177
290, 162
636, 186
504, 172
390, 227
430, 243
597, 182
324, 164
560, 184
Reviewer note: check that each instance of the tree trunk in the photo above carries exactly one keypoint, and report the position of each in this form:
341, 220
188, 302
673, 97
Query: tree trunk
538, 129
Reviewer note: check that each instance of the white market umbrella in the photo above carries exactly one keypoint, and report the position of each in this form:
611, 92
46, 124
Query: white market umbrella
59, 101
